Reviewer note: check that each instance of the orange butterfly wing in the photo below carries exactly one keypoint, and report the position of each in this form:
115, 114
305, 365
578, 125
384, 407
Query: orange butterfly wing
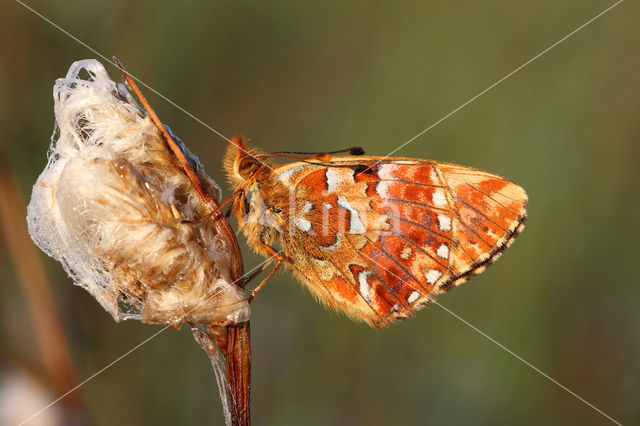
378, 238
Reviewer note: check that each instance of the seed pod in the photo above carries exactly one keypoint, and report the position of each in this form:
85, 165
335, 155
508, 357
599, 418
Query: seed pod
117, 210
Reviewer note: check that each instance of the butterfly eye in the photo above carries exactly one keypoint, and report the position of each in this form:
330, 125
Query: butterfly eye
246, 167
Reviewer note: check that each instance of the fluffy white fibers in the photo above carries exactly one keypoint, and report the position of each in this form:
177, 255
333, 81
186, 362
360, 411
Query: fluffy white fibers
111, 206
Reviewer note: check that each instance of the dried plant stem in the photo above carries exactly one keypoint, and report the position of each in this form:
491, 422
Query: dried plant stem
46, 323
235, 345
239, 372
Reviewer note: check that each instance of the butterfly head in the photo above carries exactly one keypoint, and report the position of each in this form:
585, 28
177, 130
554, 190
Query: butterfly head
245, 170
241, 163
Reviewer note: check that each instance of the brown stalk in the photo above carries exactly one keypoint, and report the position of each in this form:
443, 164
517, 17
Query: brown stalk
235, 344
46, 322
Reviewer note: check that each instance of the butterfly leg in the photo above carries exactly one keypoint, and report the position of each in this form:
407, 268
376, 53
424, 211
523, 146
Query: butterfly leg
280, 259
200, 219
259, 287
258, 271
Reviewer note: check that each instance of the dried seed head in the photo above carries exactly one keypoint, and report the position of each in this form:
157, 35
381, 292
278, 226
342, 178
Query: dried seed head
113, 206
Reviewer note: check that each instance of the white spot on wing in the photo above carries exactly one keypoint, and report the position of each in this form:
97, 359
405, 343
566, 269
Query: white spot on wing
338, 176
480, 270
356, 226
413, 296
443, 251
285, 177
306, 208
302, 224
438, 198
444, 222
328, 206
365, 289
406, 253
382, 188
385, 171
433, 276
332, 179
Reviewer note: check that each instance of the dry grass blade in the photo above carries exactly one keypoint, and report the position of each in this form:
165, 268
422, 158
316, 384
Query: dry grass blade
46, 323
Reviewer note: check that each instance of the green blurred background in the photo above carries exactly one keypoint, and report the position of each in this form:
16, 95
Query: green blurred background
327, 75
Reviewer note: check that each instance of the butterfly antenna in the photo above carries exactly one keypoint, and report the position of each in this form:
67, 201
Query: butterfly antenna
356, 150
299, 155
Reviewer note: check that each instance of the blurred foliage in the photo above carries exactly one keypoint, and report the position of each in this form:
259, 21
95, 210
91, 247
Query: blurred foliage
328, 75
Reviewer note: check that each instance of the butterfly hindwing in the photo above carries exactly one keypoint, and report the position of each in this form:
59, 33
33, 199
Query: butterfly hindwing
378, 238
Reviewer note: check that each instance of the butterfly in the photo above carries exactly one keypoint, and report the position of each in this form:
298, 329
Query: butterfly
374, 237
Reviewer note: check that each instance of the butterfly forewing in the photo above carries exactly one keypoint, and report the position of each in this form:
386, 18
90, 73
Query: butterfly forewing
378, 238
